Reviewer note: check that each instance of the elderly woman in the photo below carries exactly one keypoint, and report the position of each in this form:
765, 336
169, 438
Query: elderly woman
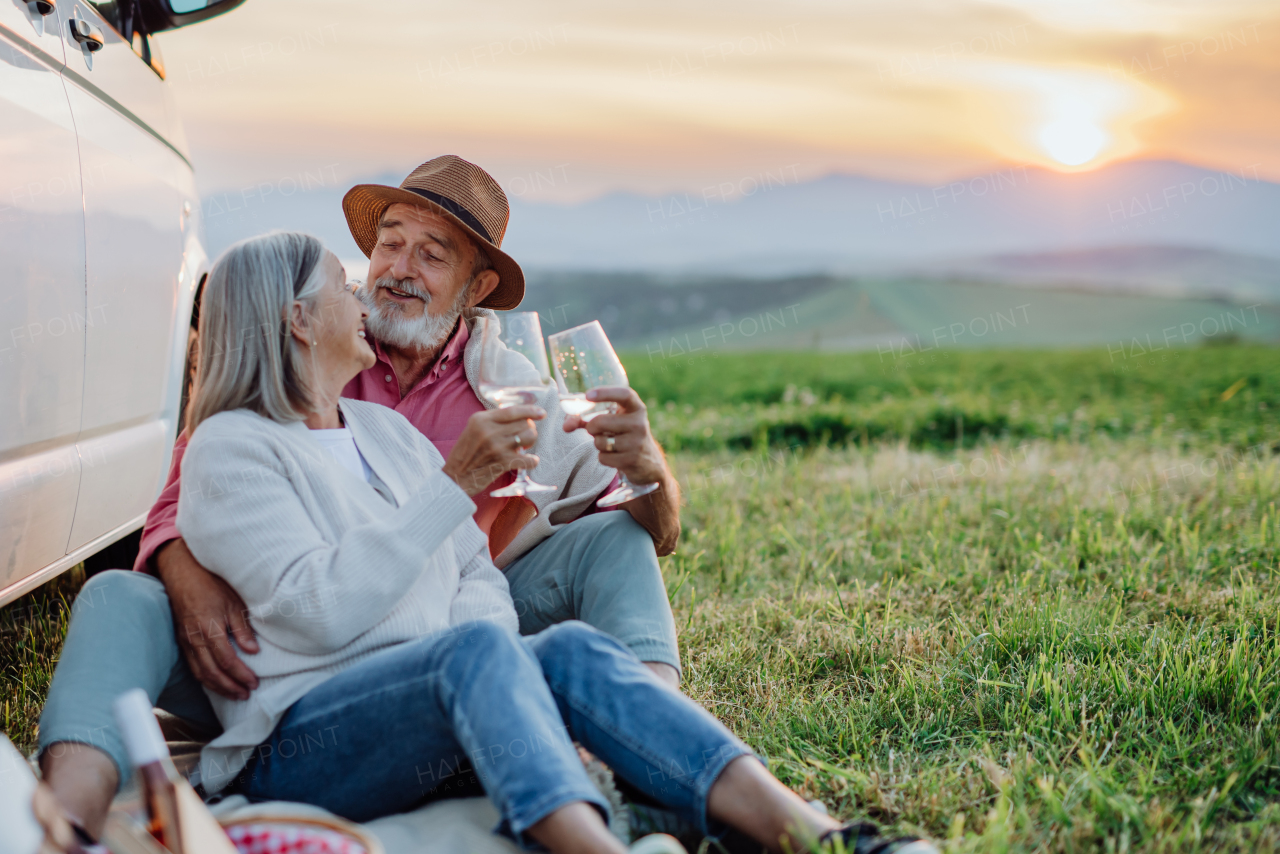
389, 645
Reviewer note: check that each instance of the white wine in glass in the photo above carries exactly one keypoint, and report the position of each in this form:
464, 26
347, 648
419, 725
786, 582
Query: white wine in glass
584, 359
513, 371
577, 404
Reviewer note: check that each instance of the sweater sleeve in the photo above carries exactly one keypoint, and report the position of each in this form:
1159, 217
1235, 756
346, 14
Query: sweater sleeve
243, 518
483, 592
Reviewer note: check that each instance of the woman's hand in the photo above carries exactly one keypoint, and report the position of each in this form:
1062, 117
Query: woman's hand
489, 446
58, 834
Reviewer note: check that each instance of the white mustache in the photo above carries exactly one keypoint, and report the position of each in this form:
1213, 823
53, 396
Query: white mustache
388, 282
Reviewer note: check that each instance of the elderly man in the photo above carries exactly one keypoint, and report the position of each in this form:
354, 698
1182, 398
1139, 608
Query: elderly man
435, 264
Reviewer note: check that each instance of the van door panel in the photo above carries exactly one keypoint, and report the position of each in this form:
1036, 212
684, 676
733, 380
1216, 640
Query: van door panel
43, 311
135, 185
103, 488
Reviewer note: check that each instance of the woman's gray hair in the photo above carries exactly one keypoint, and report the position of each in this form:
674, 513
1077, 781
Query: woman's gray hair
247, 357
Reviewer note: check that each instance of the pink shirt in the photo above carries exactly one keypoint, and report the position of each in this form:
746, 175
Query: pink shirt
439, 405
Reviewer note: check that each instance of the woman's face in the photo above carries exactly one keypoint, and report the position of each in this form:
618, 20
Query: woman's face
338, 324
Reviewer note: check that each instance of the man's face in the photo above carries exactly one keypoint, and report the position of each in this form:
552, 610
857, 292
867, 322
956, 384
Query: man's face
426, 256
419, 272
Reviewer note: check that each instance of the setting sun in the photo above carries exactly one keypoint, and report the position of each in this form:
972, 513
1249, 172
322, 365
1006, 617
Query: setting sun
1073, 142
1064, 117
1081, 107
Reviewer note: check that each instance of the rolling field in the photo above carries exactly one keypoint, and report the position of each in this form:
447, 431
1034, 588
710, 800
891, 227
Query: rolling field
1019, 601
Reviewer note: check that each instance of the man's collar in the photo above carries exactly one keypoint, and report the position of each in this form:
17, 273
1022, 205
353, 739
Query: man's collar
457, 342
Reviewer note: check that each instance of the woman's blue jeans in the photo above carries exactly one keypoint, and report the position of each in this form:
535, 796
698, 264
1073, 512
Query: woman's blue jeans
601, 569
378, 737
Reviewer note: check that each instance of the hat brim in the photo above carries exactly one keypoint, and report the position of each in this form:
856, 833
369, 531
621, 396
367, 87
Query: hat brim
364, 205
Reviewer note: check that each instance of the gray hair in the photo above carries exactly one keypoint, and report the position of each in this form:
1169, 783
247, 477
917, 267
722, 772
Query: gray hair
247, 356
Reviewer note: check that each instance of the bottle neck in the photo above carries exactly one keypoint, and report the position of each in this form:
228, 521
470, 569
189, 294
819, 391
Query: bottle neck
162, 804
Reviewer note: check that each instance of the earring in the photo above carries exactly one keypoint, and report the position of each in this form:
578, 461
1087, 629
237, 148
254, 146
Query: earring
313, 342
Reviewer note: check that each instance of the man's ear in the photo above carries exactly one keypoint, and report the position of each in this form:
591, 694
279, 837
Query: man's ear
299, 323
483, 285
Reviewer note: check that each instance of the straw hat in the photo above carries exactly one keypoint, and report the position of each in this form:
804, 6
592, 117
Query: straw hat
459, 191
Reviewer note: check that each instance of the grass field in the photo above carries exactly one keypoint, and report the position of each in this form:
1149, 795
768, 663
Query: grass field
1058, 630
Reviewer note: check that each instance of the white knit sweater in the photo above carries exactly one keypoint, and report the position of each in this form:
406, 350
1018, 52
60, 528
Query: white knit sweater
331, 568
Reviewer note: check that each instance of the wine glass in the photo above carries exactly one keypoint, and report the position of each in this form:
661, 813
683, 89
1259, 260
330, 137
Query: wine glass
584, 359
513, 370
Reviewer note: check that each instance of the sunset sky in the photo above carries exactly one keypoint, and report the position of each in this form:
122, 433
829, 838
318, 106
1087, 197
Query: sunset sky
670, 96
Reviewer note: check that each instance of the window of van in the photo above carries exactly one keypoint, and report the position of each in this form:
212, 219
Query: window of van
125, 18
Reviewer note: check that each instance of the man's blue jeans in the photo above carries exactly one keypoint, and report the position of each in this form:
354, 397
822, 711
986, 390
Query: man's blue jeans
600, 569
378, 737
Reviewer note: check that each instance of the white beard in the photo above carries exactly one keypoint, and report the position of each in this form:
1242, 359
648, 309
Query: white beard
388, 324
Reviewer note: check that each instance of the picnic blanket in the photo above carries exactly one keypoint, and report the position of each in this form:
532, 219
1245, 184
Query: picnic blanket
443, 827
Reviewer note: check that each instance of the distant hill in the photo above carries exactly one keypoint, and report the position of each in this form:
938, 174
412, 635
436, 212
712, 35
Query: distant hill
903, 318
632, 306
1171, 271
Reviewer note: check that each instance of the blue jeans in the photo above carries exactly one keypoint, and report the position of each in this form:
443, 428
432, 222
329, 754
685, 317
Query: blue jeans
378, 737
600, 569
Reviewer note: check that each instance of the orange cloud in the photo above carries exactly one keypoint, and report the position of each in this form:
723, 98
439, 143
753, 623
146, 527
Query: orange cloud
669, 97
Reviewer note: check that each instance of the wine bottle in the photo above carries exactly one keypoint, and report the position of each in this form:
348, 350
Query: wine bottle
150, 757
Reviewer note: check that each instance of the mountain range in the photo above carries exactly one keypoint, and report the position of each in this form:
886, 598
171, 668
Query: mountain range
844, 223
773, 225
1116, 250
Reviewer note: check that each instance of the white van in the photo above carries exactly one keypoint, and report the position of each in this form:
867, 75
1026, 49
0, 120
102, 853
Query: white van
101, 253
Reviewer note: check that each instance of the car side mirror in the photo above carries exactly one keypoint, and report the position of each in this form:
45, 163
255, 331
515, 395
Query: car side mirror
170, 14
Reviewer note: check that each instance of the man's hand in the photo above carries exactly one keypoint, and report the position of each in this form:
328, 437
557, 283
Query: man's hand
633, 450
488, 446
207, 612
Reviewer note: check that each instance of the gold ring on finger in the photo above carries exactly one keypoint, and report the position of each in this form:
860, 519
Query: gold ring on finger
608, 444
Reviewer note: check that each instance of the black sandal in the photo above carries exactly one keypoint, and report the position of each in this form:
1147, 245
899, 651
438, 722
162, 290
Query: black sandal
865, 838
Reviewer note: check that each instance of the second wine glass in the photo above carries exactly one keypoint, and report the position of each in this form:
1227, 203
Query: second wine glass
514, 371
584, 359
